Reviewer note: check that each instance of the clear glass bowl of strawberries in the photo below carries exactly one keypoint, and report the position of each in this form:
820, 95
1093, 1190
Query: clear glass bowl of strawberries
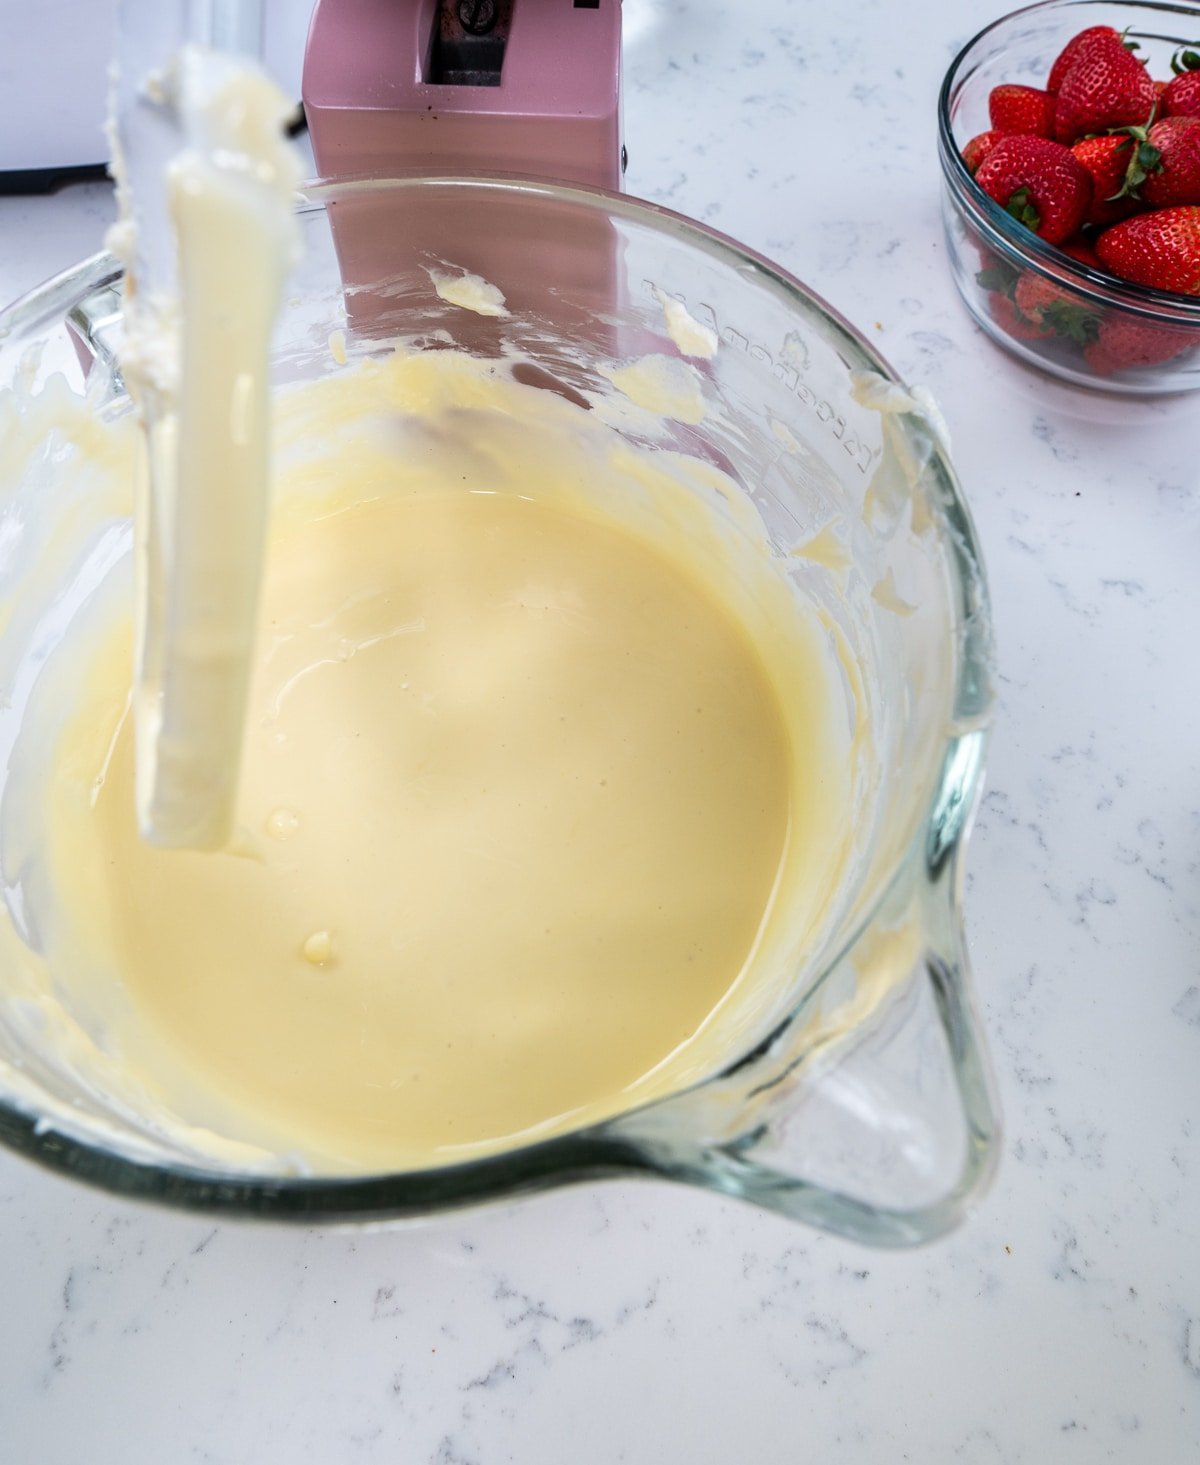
1069, 136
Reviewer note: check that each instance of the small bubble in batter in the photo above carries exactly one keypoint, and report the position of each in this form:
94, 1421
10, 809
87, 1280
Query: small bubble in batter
318, 949
282, 823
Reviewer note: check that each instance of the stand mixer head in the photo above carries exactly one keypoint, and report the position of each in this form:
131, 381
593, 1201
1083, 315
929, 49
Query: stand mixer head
444, 88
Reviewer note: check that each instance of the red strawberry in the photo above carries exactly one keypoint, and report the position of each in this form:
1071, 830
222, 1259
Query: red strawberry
1033, 293
1160, 249
1056, 308
1176, 178
1095, 37
1021, 109
1011, 321
1107, 88
1041, 183
1181, 97
1118, 166
978, 148
1123, 343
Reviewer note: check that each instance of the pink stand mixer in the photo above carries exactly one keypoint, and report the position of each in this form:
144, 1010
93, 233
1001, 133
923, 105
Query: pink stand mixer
466, 88
446, 87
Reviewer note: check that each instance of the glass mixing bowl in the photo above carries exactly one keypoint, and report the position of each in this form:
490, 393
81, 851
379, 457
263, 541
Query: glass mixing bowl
860, 1100
1115, 335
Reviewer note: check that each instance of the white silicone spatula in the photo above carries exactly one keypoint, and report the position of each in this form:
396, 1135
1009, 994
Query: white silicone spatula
208, 237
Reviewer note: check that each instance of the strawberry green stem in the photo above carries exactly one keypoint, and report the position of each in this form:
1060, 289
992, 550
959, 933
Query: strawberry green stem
1146, 159
1020, 206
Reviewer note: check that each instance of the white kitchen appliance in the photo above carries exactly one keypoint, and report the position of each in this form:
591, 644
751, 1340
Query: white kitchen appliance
54, 61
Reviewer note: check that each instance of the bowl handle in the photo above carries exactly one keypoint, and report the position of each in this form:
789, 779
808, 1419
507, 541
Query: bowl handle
870, 1113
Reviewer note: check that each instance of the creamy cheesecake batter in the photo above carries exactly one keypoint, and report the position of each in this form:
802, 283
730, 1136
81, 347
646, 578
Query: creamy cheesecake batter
542, 789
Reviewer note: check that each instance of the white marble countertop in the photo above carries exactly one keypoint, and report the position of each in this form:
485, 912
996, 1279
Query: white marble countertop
648, 1324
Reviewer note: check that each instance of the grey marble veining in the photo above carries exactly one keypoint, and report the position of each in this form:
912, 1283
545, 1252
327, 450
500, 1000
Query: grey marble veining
646, 1324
